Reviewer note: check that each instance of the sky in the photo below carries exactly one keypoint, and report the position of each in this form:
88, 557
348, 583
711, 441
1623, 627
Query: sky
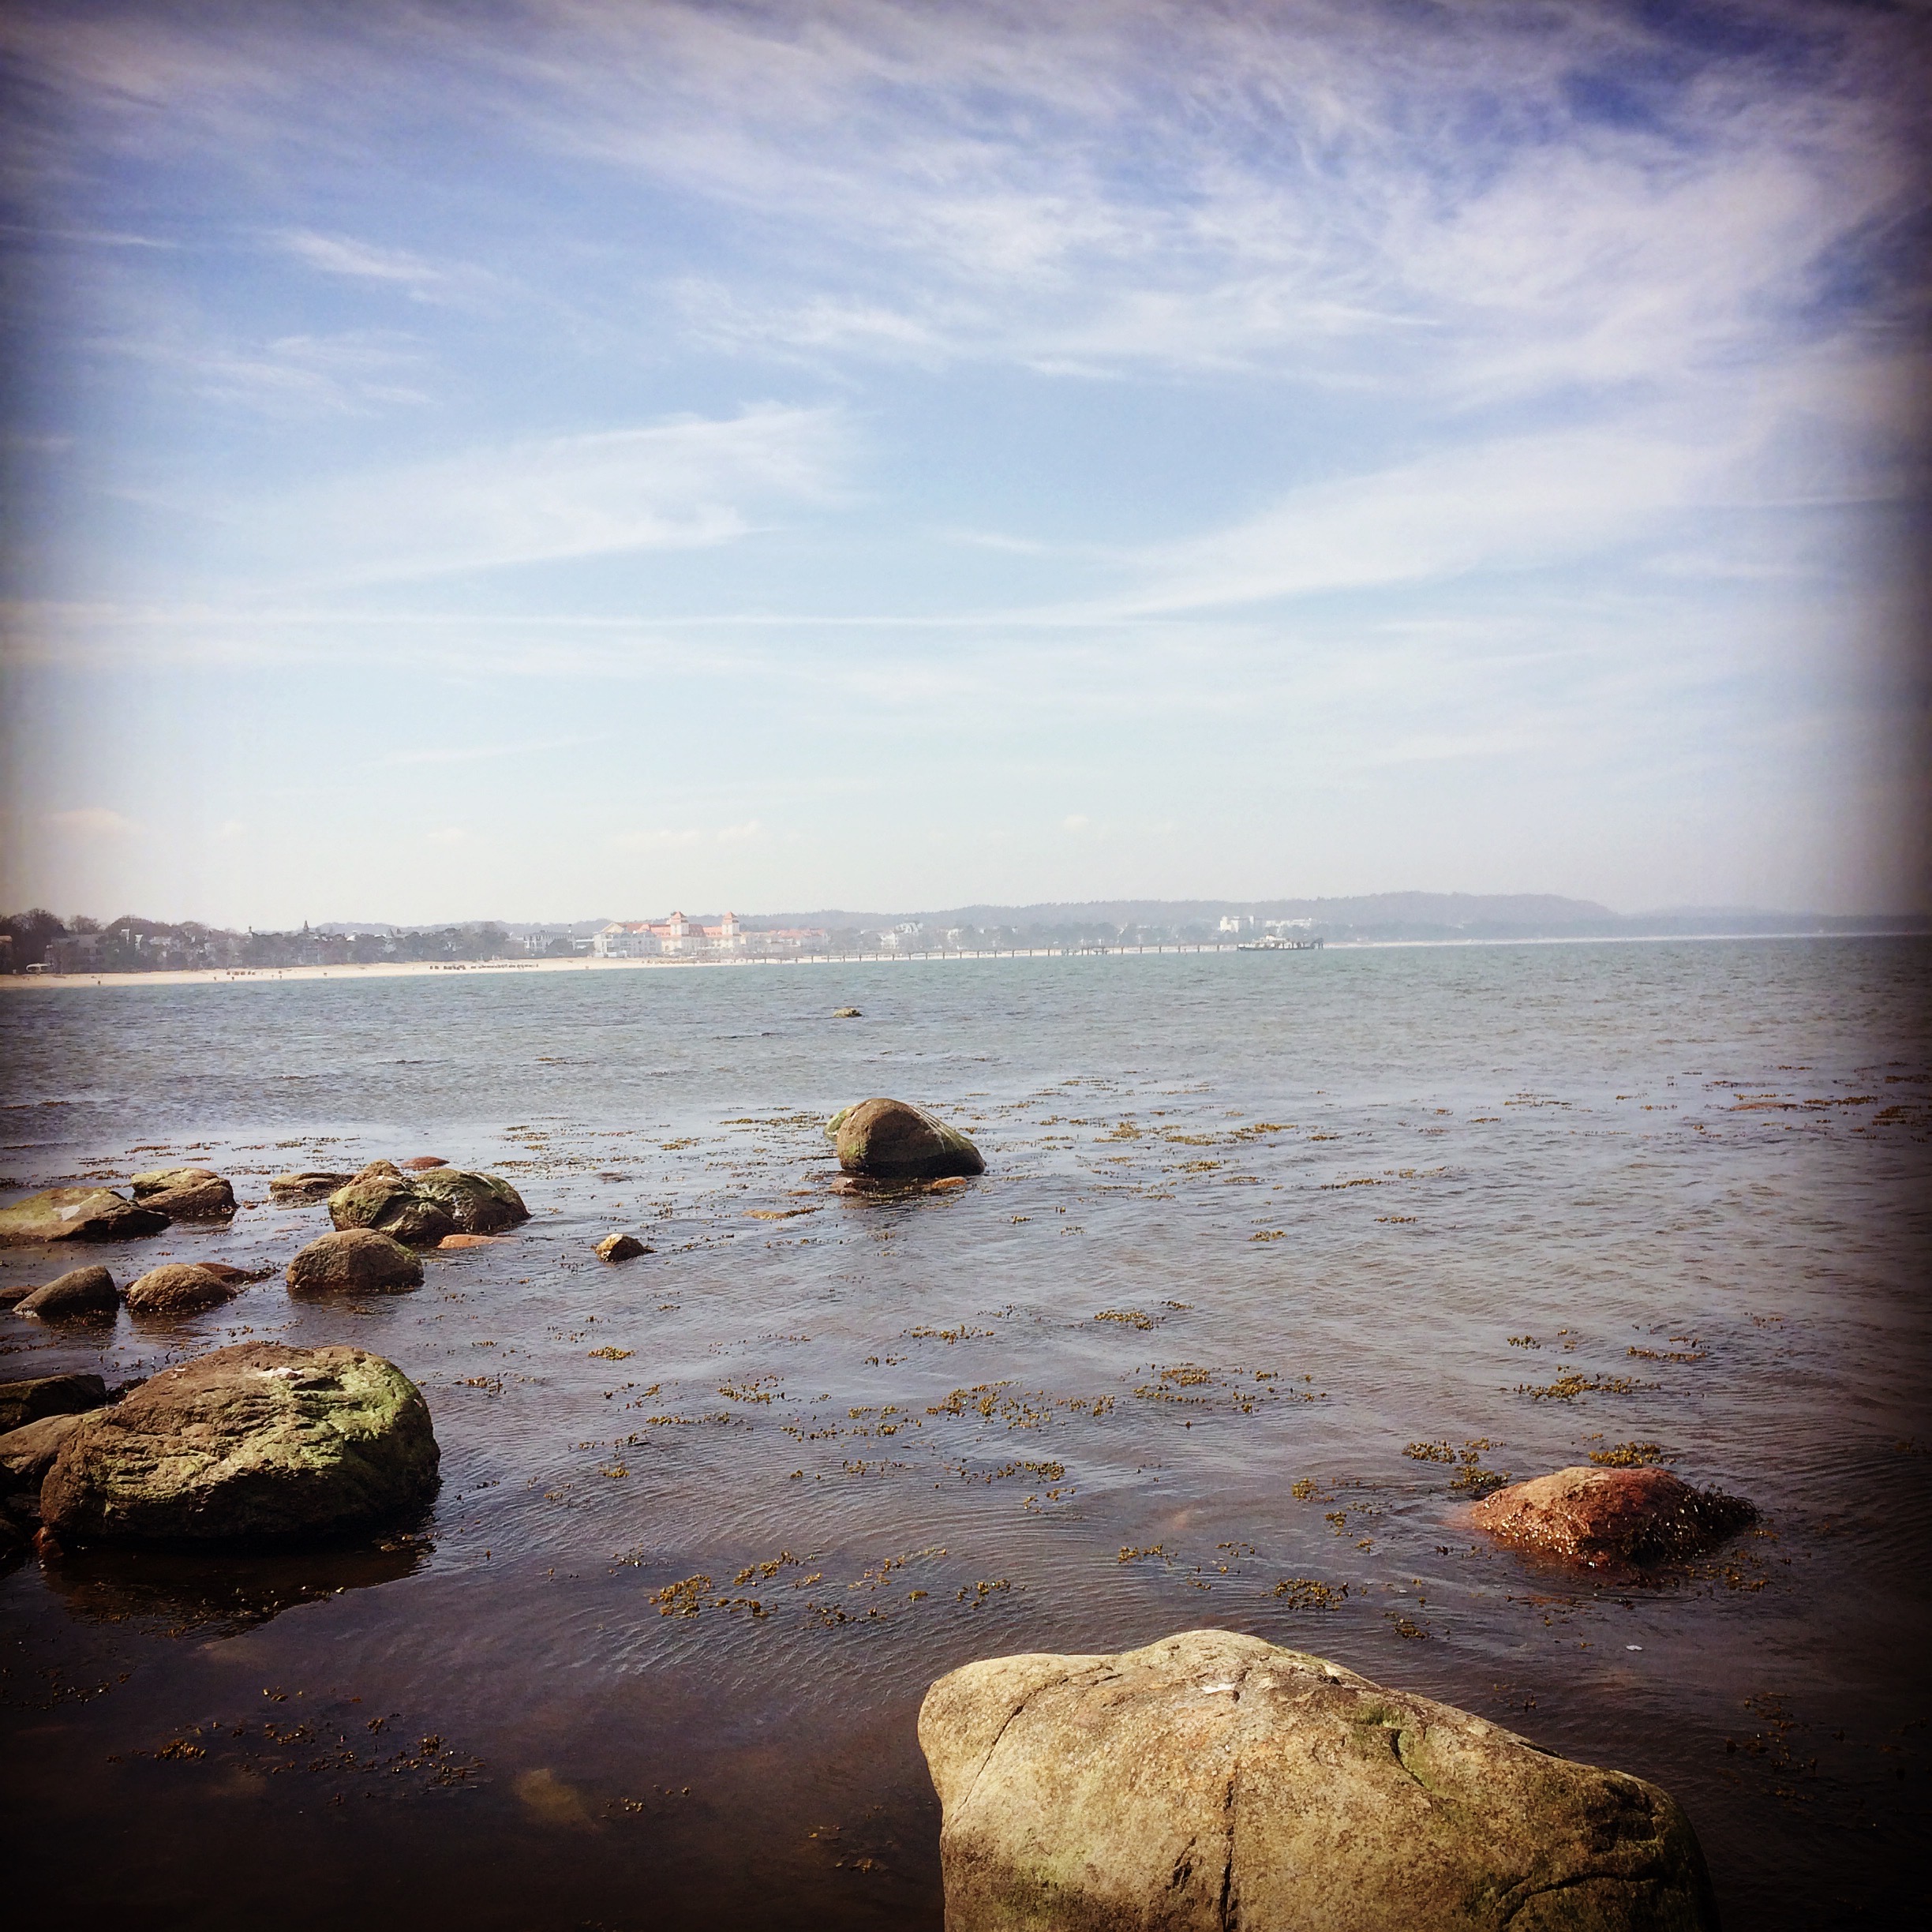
557, 458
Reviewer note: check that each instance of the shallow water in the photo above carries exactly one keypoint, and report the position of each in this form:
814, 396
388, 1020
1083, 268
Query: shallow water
1253, 1224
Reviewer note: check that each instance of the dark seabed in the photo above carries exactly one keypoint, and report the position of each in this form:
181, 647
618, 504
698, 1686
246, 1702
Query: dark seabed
711, 1521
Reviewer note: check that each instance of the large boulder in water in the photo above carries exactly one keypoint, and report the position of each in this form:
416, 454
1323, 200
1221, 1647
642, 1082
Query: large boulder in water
82, 1295
1212, 1779
255, 1444
354, 1261
1611, 1515
184, 1193
893, 1140
77, 1214
22, 1402
176, 1288
381, 1196
479, 1204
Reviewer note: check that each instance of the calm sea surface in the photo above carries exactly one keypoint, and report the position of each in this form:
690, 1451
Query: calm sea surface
711, 1521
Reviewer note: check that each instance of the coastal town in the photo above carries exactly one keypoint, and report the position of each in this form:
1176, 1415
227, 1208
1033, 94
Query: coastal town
40, 944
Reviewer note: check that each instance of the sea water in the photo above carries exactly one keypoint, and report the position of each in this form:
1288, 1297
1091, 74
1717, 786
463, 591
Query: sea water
1279, 1260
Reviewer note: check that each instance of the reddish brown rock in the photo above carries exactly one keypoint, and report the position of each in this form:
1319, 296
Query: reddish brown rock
467, 1241
421, 1163
176, 1288
1611, 1515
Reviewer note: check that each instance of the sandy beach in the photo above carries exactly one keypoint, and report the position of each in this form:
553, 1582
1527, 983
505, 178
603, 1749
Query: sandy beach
391, 969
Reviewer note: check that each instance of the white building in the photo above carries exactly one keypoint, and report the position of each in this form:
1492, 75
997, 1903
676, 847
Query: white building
677, 936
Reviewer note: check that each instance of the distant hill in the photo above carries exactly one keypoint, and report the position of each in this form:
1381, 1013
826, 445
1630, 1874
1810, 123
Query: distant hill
1396, 916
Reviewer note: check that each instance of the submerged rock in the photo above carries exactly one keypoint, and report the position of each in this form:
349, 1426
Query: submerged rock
22, 1402
185, 1193
893, 1140
1611, 1515
235, 1277
308, 1184
622, 1248
466, 1241
382, 1197
479, 1204
77, 1214
846, 1012
79, 1293
176, 1288
1212, 1779
359, 1261
258, 1443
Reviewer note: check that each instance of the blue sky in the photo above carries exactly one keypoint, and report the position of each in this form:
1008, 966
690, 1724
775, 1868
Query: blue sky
566, 458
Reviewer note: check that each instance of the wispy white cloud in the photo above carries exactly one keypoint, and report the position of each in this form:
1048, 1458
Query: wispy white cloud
1112, 186
690, 483
425, 280
353, 372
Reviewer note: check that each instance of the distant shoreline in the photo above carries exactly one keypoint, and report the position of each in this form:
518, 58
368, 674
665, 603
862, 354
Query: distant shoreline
396, 969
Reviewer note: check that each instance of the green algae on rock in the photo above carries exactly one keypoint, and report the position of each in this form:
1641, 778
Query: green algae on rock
256, 1443
893, 1140
382, 1197
479, 1204
1212, 1779
77, 1214
184, 1193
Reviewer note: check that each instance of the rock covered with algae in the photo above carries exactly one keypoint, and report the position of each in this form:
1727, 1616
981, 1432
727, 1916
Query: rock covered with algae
259, 1443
